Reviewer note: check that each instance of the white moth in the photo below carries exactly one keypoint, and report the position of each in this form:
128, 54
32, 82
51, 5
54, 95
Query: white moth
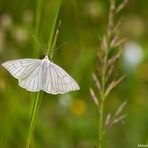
35, 75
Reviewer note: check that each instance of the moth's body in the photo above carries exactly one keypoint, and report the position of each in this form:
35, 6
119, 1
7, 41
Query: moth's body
35, 75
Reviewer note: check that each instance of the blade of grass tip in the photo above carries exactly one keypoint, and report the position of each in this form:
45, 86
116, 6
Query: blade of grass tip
35, 111
36, 31
51, 53
53, 24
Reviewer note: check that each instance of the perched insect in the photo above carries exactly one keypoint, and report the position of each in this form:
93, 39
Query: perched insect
35, 75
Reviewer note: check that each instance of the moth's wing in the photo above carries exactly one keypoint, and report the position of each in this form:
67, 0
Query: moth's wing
21, 68
56, 80
33, 82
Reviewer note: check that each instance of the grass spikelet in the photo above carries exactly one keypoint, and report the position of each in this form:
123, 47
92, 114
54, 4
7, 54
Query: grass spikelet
107, 57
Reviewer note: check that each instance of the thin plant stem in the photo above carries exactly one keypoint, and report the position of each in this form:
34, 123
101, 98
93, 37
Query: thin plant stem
101, 107
35, 111
51, 45
53, 24
54, 41
103, 77
104, 83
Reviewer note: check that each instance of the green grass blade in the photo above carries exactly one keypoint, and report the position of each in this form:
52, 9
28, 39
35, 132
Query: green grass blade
39, 95
35, 111
53, 24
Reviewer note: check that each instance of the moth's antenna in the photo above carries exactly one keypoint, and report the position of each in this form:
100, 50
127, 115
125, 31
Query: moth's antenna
55, 40
66, 42
36, 40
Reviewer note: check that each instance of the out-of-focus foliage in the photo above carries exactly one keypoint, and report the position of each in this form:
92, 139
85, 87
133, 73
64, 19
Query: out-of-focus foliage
70, 120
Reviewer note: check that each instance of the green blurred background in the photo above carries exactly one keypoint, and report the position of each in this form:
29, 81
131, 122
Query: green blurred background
71, 120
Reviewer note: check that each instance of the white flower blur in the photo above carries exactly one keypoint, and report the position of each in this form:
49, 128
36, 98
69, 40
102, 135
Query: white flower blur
133, 54
65, 100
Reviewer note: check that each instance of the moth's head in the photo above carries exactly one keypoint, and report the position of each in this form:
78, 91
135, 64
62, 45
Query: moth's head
46, 58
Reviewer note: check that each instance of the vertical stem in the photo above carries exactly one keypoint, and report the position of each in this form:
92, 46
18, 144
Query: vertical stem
101, 114
105, 59
53, 24
102, 96
101, 109
103, 78
35, 111
39, 95
54, 42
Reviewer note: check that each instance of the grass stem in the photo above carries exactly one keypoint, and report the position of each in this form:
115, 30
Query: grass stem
102, 96
51, 45
101, 112
54, 42
35, 111
53, 24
